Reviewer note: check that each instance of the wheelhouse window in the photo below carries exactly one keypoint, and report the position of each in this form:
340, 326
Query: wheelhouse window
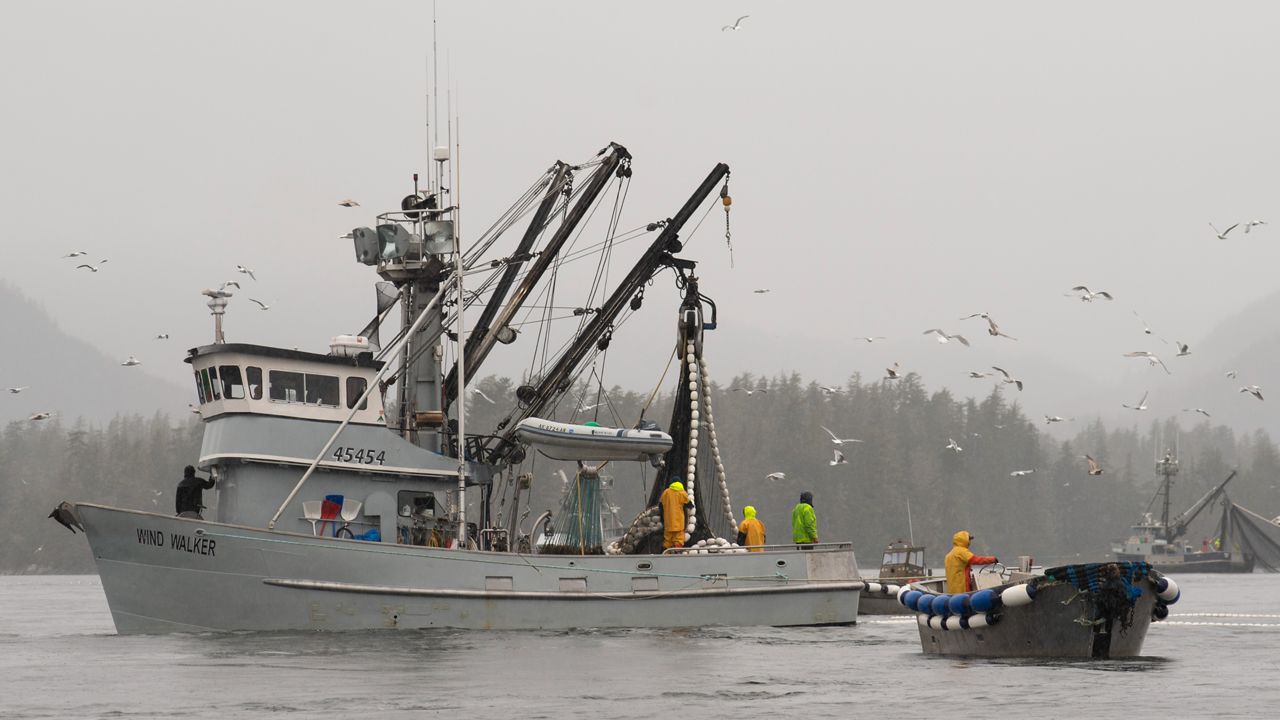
232, 386
254, 376
285, 386
355, 388
209, 377
201, 394
321, 390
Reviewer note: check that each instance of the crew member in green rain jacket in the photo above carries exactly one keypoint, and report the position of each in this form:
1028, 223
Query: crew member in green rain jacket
804, 523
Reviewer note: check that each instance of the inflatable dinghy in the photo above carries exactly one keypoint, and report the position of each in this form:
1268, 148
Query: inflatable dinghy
564, 441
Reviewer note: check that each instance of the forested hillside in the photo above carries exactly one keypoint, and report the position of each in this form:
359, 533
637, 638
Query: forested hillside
1055, 513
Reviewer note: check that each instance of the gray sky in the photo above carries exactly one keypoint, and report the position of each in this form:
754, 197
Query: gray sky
895, 166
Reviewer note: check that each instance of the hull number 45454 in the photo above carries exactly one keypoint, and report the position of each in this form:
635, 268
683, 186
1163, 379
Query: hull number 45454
360, 456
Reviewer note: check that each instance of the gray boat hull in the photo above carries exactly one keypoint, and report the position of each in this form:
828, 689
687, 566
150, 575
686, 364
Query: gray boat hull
1054, 625
168, 574
881, 599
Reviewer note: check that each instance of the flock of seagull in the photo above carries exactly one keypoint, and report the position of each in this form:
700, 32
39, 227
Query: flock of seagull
1081, 292
132, 361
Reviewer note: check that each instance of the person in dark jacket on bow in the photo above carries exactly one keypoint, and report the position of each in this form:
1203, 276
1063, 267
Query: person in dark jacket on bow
189, 499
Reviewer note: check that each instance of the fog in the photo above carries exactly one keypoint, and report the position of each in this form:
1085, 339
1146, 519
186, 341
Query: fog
895, 167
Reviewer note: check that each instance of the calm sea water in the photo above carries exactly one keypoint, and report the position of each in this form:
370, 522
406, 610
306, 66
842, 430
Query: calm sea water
60, 658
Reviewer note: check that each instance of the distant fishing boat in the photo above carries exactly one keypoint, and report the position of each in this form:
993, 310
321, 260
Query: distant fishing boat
1097, 611
1160, 542
902, 563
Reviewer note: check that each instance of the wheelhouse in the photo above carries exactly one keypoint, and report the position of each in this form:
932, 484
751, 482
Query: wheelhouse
241, 378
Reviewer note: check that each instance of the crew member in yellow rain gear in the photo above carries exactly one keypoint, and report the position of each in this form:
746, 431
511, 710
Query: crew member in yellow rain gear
673, 500
751, 530
960, 559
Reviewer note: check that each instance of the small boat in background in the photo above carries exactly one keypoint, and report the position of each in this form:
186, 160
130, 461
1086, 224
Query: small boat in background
903, 563
1098, 611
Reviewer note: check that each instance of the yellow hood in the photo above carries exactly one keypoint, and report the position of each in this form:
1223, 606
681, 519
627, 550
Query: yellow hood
748, 512
677, 485
961, 539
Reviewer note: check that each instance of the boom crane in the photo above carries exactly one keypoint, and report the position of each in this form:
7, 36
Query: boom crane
537, 397
486, 332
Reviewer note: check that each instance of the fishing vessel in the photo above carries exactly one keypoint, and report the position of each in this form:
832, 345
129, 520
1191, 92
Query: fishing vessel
1160, 542
352, 492
1089, 611
902, 564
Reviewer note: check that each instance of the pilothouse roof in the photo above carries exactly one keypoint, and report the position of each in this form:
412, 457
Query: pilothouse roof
362, 360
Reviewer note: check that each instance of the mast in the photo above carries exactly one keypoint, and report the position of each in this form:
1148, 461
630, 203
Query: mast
1167, 468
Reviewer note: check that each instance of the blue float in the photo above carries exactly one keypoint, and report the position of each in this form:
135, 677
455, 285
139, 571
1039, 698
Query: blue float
910, 598
938, 606
959, 604
983, 601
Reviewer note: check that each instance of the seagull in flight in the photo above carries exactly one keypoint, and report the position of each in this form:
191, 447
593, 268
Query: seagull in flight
131, 362
92, 268
945, 338
1202, 411
246, 271
76, 253
35, 417
776, 476
1145, 327
1142, 404
1094, 467
1183, 349
979, 374
870, 339
1151, 358
954, 446
893, 373
748, 392
1088, 295
1252, 223
760, 291
737, 25
1253, 390
16, 390
1021, 473
838, 459
1230, 373
349, 203
1007, 377
162, 336
260, 304
1223, 234
829, 391
584, 408
993, 330
838, 440
478, 391
1050, 419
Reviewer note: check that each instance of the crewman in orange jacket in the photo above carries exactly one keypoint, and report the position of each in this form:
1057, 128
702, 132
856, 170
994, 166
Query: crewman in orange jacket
751, 530
959, 560
673, 500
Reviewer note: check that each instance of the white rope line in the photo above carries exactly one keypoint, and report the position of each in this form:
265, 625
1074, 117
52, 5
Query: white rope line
1224, 624
1225, 615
